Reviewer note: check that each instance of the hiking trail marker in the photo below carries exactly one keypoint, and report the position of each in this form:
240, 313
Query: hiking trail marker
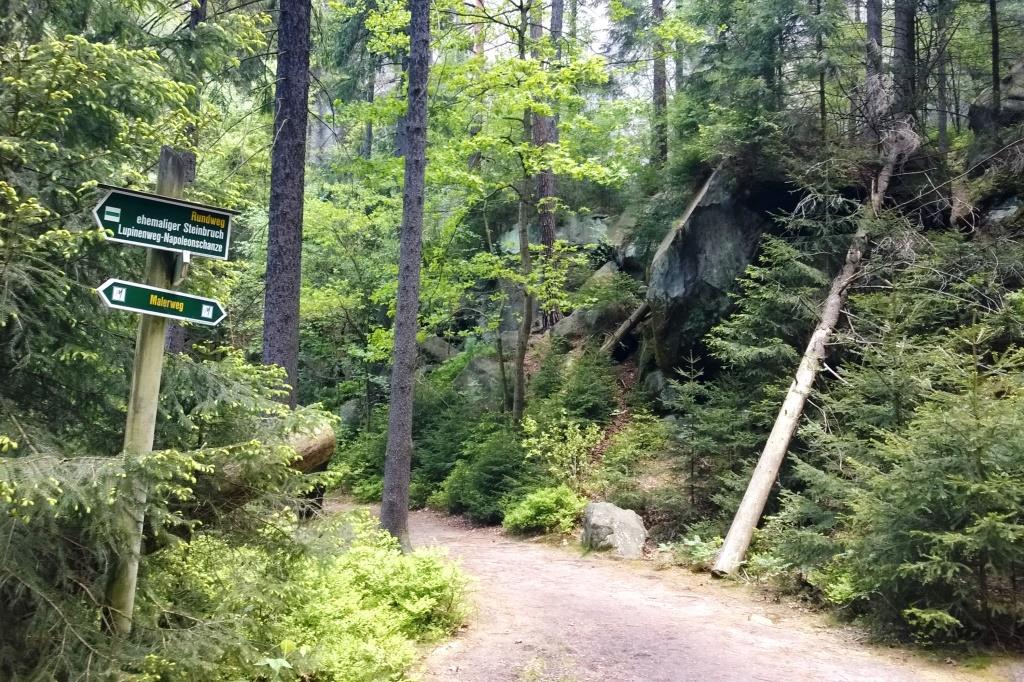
160, 222
141, 298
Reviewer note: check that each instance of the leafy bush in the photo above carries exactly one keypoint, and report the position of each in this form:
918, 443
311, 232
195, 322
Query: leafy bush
581, 387
358, 465
589, 388
545, 510
351, 610
565, 449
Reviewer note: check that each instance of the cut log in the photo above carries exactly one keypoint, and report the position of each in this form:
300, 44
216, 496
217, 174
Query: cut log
314, 447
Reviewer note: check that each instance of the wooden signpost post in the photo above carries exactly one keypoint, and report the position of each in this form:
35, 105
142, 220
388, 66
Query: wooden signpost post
172, 230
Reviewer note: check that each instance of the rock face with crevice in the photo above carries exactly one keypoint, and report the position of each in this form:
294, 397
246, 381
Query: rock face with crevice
982, 114
691, 277
607, 527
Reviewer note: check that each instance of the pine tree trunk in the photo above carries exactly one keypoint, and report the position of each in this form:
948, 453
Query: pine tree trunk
525, 261
526, 322
819, 47
177, 336
993, 22
394, 512
660, 77
873, 51
680, 56
287, 186
545, 131
942, 77
903, 61
366, 149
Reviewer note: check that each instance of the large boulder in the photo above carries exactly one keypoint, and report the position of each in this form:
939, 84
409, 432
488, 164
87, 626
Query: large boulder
607, 527
696, 267
590, 321
437, 349
481, 379
1011, 103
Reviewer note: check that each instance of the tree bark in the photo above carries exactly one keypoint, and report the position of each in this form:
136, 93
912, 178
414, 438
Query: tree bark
526, 322
749, 513
993, 22
903, 60
626, 327
680, 56
819, 48
873, 51
942, 77
287, 187
660, 122
394, 512
366, 148
525, 261
545, 131
177, 336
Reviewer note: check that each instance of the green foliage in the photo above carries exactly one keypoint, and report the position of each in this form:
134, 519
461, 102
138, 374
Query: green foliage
62, 516
587, 393
545, 510
564, 448
352, 610
494, 467
693, 552
906, 505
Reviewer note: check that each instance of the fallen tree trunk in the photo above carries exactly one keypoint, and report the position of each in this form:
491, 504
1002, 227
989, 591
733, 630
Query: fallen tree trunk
901, 141
626, 327
749, 513
645, 307
314, 447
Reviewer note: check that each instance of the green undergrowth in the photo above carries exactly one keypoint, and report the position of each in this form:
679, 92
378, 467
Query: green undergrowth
349, 607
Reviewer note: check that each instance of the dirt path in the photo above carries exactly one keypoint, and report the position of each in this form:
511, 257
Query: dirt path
546, 613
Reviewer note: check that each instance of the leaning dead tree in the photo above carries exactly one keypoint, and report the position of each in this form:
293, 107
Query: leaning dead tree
897, 143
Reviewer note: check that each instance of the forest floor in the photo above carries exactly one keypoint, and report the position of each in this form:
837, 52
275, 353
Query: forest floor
544, 612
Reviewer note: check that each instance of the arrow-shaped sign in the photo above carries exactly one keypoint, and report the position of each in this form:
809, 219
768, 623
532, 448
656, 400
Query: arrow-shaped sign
140, 298
157, 222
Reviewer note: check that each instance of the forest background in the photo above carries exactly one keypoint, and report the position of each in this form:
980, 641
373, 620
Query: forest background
698, 172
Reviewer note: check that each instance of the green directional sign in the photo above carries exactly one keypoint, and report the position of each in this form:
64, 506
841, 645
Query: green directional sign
140, 298
157, 222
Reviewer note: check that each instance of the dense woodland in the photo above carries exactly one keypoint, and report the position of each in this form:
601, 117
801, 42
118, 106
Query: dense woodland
518, 255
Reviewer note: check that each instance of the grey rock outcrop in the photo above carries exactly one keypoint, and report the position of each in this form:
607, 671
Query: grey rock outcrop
437, 349
692, 275
351, 413
480, 379
590, 321
981, 115
607, 527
